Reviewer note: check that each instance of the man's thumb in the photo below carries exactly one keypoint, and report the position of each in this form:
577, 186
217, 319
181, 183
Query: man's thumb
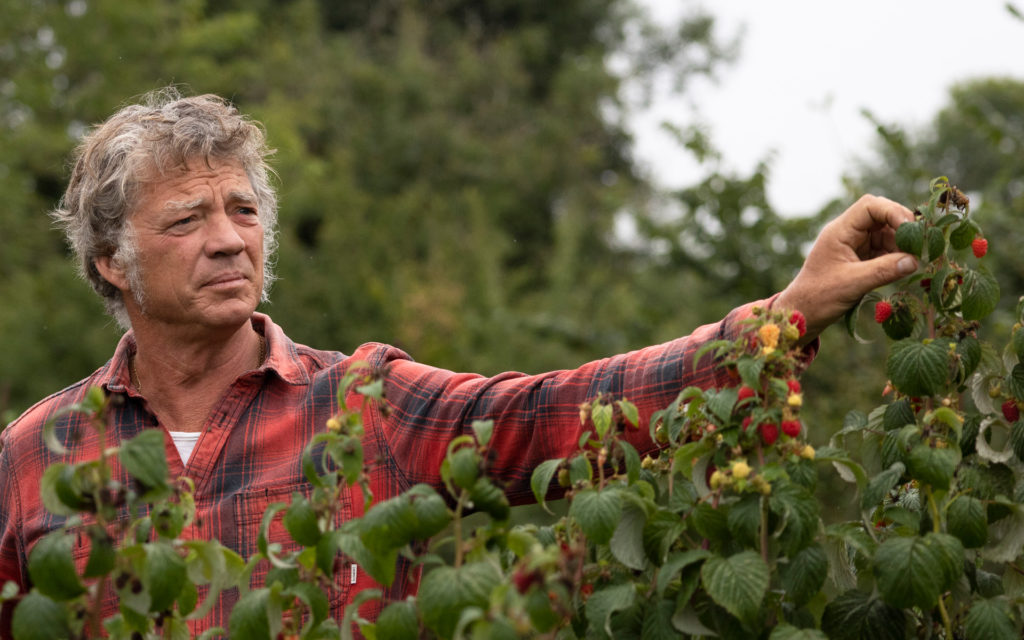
886, 269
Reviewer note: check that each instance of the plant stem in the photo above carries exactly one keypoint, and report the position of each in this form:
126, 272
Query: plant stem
945, 618
457, 528
764, 530
934, 508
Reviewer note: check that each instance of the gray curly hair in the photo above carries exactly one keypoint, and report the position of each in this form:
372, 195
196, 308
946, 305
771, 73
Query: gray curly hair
162, 133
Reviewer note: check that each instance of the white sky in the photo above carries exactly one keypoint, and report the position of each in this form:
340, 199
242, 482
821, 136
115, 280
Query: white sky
806, 68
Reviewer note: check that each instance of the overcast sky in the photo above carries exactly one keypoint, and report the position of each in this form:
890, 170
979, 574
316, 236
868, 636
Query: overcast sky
808, 67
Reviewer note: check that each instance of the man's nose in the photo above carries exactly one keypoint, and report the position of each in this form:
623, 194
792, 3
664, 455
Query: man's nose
222, 237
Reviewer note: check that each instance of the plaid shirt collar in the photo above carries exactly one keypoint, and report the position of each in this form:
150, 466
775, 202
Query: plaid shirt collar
282, 358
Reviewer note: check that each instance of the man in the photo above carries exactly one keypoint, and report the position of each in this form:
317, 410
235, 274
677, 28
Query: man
171, 215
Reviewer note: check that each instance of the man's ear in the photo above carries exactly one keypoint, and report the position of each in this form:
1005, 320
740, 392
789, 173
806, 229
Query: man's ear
112, 271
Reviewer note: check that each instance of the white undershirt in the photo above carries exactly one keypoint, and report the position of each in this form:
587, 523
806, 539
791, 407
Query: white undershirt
185, 441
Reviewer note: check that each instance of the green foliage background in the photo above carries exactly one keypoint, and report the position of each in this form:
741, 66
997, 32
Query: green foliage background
452, 175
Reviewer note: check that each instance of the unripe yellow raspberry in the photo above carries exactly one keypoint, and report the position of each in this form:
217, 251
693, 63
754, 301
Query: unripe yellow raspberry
740, 469
795, 400
717, 479
807, 452
333, 424
791, 333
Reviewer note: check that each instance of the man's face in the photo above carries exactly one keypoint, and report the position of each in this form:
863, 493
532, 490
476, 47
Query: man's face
200, 247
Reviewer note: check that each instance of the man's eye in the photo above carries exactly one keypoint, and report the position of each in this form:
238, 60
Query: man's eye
184, 221
249, 211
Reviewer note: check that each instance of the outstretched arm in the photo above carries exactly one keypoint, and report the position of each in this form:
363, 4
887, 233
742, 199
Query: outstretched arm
855, 253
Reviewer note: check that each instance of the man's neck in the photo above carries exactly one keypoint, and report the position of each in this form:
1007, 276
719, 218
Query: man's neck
183, 373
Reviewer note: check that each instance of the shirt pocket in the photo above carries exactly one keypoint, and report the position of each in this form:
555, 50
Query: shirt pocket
249, 509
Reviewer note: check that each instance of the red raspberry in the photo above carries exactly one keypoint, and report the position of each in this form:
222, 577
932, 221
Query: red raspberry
524, 579
746, 422
791, 428
980, 247
769, 432
1011, 411
926, 284
794, 385
744, 393
883, 309
799, 321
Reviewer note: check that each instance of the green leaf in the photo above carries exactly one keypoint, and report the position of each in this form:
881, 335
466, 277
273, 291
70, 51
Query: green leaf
804, 575
980, 293
164, 575
432, 515
960, 238
660, 533
145, 459
380, 566
898, 414
936, 243
580, 469
605, 602
601, 415
933, 466
632, 460
789, 632
101, 552
314, 598
630, 412
910, 237
252, 617
990, 619
57, 492
855, 615
915, 571
446, 591
744, 520
737, 583
918, 368
487, 497
682, 461
483, 429
1015, 381
540, 480
301, 521
39, 618
465, 467
1018, 343
710, 523
966, 519
398, 620
969, 350
52, 569
597, 512
880, 485
388, 525
627, 543
798, 511
721, 402
676, 563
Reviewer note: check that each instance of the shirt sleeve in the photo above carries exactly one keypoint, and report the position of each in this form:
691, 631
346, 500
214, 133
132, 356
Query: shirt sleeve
10, 555
536, 417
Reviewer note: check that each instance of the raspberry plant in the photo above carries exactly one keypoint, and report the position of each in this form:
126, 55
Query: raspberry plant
714, 532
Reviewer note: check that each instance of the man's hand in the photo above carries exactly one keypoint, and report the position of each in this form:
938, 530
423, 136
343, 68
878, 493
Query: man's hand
854, 254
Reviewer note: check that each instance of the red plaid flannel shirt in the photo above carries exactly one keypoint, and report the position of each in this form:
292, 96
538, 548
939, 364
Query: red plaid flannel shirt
249, 453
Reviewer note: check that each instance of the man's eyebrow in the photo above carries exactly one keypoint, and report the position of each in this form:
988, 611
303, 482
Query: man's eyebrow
174, 206
242, 196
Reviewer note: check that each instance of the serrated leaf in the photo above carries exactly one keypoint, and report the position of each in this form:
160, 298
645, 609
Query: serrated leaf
917, 368
855, 615
632, 461
960, 238
432, 514
603, 603
601, 415
915, 571
627, 543
483, 429
737, 583
487, 497
880, 486
966, 519
597, 513
540, 480
145, 459
39, 618
804, 575
1015, 381
676, 563
398, 620
52, 569
744, 520
300, 520
580, 469
720, 403
388, 525
164, 575
980, 294
660, 533
910, 238
682, 461
710, 522
252, 616
798, 513
101, 553
990, 619
898, 414
789, 632
936, 240
446, 591
933, 466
